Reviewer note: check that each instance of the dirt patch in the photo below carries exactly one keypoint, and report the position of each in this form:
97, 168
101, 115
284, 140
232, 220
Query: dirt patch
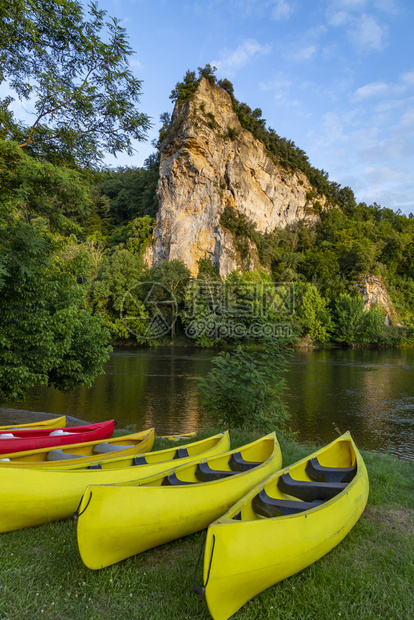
396, 519
165, 555
21, 416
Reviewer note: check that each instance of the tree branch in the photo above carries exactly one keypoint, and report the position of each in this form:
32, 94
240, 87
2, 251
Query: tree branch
53, 110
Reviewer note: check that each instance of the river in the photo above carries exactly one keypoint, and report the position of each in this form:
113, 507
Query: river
369, 392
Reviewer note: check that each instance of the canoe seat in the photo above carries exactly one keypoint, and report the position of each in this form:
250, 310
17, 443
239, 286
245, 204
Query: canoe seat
267, 506
309, 491
58, 432
59, 455
237, 463
139, 460
7, 436
181, 453
105, 447
204, 473
172, 480
319, 473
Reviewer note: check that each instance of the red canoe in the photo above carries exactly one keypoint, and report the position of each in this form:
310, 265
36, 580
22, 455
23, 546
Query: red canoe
17, 441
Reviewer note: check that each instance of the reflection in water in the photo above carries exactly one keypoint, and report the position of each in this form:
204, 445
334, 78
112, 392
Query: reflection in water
369, 392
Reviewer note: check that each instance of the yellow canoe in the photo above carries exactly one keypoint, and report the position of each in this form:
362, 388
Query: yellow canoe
283, 525
81, 454
50, 423
118, 521
31, 496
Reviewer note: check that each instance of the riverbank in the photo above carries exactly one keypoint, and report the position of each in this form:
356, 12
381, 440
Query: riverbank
369, 575
21, 416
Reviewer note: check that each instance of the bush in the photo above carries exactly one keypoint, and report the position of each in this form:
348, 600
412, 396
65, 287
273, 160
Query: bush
244, 390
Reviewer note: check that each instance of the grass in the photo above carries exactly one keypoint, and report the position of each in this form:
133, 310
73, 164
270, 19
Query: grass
369, 575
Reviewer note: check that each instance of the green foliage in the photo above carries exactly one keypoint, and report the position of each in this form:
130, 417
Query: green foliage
244, 390
119, 272
73, 68
334, 255
135, 235
132, 192
46, 333
184, 91
312, 311
245, 307
355, 326
174, 276
242, 230
207, 269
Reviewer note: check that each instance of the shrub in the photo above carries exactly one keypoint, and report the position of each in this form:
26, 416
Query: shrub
244, 390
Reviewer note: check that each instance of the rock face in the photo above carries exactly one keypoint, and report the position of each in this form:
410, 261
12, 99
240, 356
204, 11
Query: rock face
208, 162
373, 291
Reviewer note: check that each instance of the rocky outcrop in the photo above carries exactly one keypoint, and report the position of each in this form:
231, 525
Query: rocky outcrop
373, 291
208, 162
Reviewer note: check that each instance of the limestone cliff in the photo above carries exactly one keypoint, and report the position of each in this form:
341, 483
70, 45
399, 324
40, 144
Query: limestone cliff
208, 162
372, 290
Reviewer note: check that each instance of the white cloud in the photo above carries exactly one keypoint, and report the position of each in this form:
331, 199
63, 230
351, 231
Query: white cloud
282, 10
362, 21
408, 78
306, 52
233, 60
407, 121
277, 10
372, 90
390, 94
339, 18
367, 34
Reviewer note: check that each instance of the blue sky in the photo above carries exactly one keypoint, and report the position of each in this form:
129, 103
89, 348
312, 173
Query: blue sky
334, 76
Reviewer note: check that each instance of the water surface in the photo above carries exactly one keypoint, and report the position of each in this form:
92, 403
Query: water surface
369, 392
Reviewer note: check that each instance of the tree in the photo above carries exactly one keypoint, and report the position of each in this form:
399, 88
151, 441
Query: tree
184, 91
173, 276
354, 325
46, 333
73, 69
119, 272
313, 313
132, 192
349, 319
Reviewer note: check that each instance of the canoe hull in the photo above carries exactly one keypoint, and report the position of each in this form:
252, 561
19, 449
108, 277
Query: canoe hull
138, 442
121, 521
34, 496
41, 438
244, 558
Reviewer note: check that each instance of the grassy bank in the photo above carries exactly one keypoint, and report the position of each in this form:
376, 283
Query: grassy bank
369, 575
